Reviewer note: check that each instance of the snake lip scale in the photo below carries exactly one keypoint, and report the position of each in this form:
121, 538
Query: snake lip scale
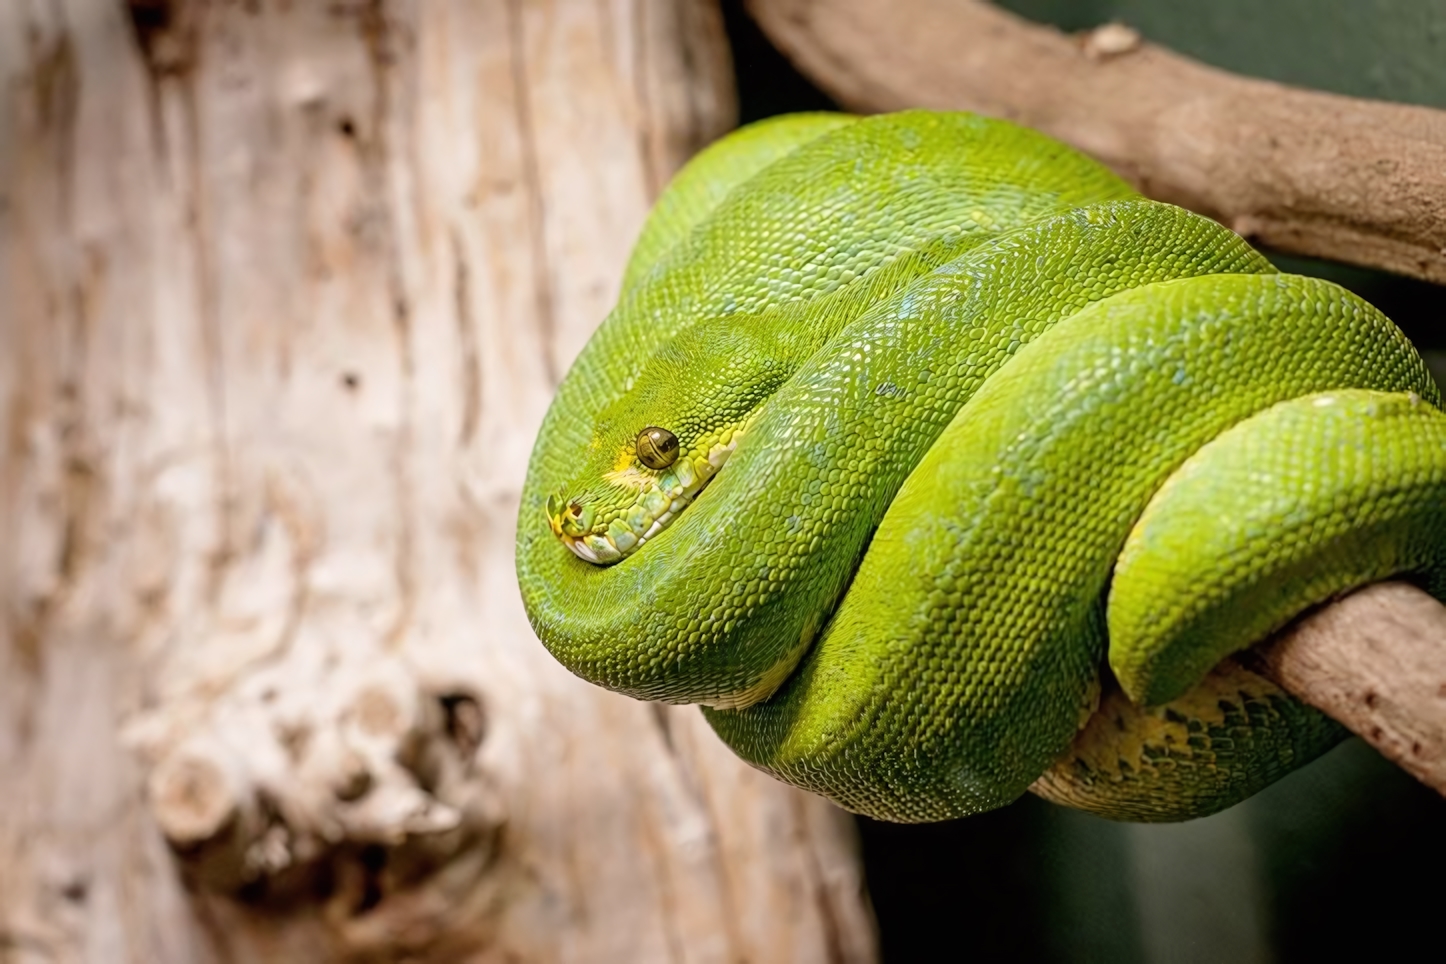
938, 466
661, 496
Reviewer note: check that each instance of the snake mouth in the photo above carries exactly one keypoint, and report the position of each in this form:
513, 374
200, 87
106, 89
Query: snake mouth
602, 535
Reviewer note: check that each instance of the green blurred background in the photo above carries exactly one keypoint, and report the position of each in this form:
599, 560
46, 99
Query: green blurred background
1345, 858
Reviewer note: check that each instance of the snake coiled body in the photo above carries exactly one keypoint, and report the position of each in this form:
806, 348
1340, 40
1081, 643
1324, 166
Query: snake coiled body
938, 465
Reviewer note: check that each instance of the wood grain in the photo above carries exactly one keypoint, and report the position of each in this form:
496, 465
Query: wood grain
1376, 661
286, 289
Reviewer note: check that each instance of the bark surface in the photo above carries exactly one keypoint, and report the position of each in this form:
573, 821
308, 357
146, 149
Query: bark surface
286, 289
1376, 661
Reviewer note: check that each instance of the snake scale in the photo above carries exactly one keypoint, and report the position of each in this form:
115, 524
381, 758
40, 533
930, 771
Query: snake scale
939, 466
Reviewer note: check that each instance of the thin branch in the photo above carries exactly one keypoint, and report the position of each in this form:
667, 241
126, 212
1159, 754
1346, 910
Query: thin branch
1376, 661
1298, 171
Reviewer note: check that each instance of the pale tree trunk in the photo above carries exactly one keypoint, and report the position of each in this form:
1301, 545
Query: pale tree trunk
284, 291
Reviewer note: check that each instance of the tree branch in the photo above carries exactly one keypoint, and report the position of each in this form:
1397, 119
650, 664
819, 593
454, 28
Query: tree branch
1298, 171
1375, 661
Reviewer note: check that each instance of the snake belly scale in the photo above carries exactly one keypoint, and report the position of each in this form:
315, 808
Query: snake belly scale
940, 466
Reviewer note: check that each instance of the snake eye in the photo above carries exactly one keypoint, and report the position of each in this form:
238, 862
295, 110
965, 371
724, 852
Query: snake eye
657, 447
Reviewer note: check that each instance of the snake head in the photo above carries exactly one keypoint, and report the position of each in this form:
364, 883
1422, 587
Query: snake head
655, 448
633, 502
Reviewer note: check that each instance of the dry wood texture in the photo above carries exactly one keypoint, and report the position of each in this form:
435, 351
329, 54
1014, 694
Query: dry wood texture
1376, 661
286, 288
1300, 171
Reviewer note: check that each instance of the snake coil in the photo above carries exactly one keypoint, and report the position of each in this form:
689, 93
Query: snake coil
940, 466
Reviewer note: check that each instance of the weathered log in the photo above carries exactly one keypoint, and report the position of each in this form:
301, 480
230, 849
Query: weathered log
284, 292
1299, 171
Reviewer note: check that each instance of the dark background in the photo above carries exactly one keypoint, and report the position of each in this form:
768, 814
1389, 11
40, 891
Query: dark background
1345, 859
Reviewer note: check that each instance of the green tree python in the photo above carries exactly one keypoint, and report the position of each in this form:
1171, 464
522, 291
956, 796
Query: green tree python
939, 466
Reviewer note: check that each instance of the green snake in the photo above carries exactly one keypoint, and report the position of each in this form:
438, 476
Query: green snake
939, 466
